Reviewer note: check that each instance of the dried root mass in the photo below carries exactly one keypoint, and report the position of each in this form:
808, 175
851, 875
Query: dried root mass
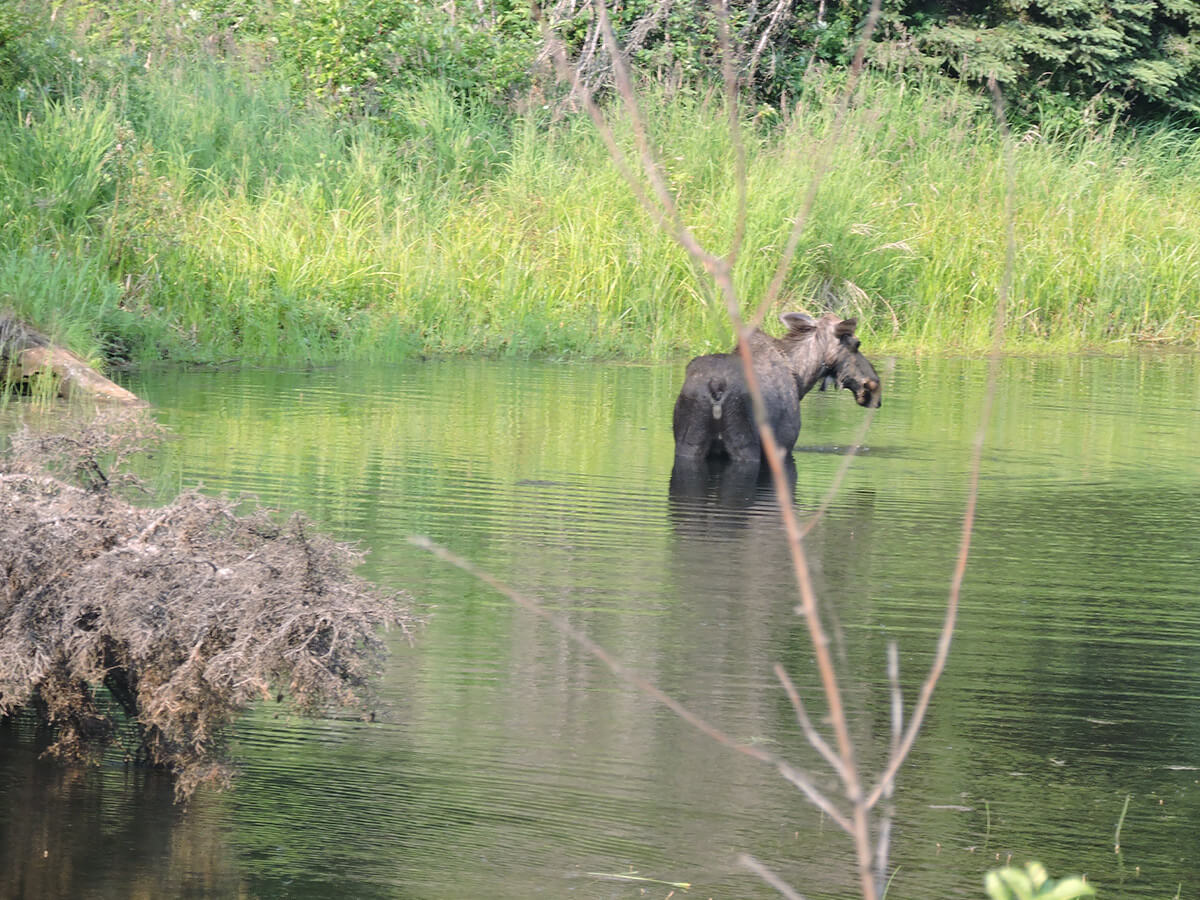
180, 616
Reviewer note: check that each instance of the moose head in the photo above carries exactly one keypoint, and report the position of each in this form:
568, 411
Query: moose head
826, 350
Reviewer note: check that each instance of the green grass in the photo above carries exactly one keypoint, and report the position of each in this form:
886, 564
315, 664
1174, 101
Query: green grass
198, 213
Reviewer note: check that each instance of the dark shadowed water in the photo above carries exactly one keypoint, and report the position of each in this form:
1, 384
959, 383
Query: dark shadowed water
507, 763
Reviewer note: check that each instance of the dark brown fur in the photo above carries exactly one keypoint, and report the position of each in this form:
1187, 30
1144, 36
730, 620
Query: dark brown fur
714, 415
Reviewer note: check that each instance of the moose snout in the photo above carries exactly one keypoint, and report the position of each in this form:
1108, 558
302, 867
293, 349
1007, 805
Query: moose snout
869, 394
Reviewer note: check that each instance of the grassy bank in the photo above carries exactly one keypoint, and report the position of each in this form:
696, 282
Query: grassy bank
197, 213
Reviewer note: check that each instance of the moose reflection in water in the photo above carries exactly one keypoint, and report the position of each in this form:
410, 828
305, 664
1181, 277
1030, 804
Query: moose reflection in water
731, 573
714, 415
719, 497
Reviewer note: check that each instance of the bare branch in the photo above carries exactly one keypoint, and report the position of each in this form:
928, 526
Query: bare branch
582, 640
732, 109
650, 164
818, 799
821, 167
664, 212
572, 75
777, 15
591, 64
968, 524
646, 24
883, 849
769, 877
893, 670
883, 845
851, 454
808, 597
660, 203
799, 779
585, 66
806, 725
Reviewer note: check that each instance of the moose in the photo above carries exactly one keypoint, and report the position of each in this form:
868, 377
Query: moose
714, 416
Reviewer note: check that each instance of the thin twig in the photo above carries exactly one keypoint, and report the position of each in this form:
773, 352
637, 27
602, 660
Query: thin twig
883, 845
781, 7
968, 523
571, 74
646, 24
818, 799
893, 671
814, 737
789, 772
619, 669
768, 876
650, 163
821, 166
664, 211
848, 459
800, 567
732, 109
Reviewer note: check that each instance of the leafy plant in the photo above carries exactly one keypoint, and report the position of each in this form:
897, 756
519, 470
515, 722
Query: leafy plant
1032, 883
363, 53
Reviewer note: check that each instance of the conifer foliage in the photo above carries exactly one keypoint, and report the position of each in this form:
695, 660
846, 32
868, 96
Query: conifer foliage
1140, 56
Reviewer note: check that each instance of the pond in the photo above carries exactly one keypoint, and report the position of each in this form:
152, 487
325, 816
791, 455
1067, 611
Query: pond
506, 762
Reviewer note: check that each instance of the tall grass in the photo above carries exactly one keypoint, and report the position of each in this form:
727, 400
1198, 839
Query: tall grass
198, 213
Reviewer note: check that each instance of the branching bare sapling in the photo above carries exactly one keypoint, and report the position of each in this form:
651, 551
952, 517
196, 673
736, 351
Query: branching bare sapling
594, 63
862, 811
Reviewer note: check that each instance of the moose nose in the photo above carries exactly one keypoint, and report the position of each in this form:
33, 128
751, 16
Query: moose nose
869, 395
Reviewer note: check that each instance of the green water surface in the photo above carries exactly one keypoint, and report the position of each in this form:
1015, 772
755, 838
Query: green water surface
505, 762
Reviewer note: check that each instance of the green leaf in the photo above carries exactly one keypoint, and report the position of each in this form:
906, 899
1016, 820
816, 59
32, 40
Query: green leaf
1068, 889
1037, 874
1018, 883
1032, 883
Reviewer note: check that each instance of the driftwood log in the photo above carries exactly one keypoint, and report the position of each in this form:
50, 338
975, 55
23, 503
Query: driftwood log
27, 355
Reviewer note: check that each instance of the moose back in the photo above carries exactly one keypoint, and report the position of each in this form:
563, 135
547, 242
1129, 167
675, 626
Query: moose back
714, 414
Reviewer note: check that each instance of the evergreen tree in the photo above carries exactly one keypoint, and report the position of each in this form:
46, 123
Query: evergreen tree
1137, 56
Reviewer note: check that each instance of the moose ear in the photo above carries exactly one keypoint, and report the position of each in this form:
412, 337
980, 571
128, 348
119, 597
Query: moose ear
798, 322
845, 328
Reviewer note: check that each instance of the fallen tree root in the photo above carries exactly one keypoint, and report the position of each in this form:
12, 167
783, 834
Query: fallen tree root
27, 357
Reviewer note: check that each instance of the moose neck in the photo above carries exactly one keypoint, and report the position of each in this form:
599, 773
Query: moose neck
804, 356
807, 384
